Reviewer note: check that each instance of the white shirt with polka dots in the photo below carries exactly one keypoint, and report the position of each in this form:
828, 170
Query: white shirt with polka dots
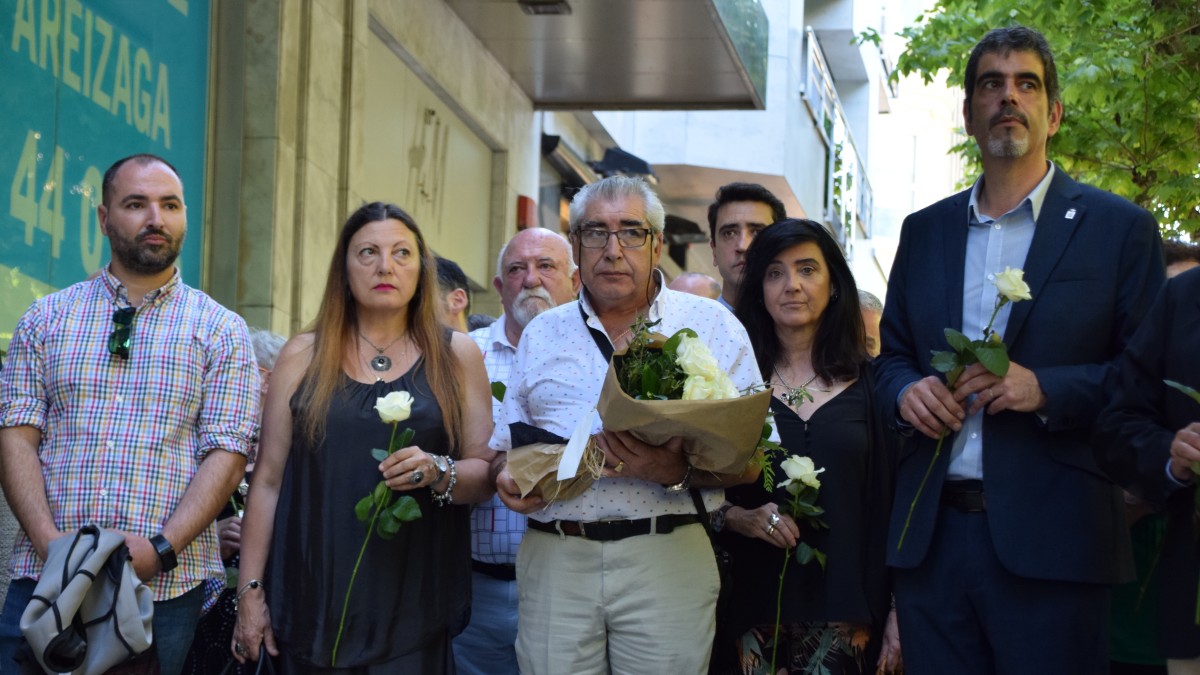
557, 379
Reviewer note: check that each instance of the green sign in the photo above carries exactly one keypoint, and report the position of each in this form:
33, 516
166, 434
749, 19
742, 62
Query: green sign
86, 82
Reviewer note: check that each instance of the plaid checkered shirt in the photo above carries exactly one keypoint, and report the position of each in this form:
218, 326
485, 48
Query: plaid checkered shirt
496, 531
122, 438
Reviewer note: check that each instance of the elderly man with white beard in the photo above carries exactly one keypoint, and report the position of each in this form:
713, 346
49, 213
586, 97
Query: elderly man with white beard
534, 273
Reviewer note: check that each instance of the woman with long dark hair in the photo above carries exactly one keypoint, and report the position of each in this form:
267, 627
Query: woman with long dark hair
799, 303
376, 333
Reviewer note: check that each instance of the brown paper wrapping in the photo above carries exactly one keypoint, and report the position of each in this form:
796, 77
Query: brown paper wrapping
719, 436
534, 468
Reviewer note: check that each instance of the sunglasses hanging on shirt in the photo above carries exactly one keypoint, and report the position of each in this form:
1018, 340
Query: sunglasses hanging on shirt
120, 340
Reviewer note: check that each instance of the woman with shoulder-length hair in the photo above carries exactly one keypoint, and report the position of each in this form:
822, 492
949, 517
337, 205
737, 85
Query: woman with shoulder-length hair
376, 332
799, 303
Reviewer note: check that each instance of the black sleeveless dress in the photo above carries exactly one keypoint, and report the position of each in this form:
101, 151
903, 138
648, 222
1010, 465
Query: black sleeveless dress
411, 591
844, 437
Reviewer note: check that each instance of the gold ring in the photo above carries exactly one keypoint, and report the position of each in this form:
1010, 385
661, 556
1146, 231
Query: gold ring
619, 467
770, 529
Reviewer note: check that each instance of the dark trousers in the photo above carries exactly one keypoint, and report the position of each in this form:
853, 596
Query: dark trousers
174, 625
962, 612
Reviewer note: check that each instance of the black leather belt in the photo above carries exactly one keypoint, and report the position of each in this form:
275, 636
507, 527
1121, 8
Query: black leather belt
614, 530
501, 571
965, 495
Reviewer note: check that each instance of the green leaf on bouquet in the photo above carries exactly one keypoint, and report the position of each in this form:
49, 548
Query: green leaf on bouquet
994, 358
402, 440
1192, 393
651, 378
406, 509
820, 558
379, 454
944, 362
957, 340
498, 391
362, 510
672, 344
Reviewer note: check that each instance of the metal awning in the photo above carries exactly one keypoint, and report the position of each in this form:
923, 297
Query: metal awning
627, 54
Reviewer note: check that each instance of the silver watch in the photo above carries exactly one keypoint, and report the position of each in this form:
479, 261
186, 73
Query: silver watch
684, 484
442, 466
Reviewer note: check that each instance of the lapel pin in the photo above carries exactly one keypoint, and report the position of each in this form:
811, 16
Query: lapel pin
1071, 214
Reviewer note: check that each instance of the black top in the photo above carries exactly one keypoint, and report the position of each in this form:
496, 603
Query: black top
856, 495
409, 590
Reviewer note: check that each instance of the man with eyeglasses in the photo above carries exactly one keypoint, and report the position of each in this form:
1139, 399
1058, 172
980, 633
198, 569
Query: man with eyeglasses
128, 401
622, 578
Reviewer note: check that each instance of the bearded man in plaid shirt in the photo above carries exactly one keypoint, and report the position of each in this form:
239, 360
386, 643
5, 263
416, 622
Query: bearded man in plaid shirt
128, 401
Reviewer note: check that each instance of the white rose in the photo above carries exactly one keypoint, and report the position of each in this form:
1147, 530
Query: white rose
693, 357
395, 407
1011, 284
698, 388
704, 388
800, 469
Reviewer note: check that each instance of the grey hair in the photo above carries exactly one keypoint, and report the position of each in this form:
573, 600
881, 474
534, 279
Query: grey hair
266, 347
613, 188
868, 301
571, 266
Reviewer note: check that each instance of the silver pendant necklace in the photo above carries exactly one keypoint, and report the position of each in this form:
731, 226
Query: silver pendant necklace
796, 396
381, 363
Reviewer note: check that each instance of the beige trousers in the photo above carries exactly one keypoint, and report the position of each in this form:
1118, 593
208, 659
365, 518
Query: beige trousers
640, 605
1182, 667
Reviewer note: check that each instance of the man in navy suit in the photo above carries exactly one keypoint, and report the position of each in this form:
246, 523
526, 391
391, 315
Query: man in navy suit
1149, 438
1017, 535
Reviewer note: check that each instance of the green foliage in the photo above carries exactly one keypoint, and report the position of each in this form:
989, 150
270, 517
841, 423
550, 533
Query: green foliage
1129, 72
498, 391
381, 509
648, 370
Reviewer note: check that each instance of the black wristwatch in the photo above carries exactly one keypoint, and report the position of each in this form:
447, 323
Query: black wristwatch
718, 517
166, 553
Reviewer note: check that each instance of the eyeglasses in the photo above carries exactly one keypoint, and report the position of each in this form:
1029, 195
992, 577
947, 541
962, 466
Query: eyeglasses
630, 237
119, 340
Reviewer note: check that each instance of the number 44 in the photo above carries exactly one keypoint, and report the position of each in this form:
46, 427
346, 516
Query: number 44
44, 213
40, 204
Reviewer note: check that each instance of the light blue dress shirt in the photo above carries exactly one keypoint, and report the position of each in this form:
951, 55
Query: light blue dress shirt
992, 245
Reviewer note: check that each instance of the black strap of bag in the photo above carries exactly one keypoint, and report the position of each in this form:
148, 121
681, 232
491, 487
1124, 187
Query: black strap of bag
265, 665
602, 342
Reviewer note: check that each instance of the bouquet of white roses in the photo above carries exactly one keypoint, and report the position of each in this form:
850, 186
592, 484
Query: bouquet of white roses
657, 389
661, 387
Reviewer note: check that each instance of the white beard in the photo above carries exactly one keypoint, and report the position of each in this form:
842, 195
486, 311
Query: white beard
525, 306
1007, 148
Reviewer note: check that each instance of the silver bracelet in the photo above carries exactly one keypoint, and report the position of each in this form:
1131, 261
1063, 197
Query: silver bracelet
444, 498
250, 586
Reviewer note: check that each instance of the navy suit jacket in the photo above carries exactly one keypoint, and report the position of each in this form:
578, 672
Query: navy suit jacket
1093, 267
1133, 439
